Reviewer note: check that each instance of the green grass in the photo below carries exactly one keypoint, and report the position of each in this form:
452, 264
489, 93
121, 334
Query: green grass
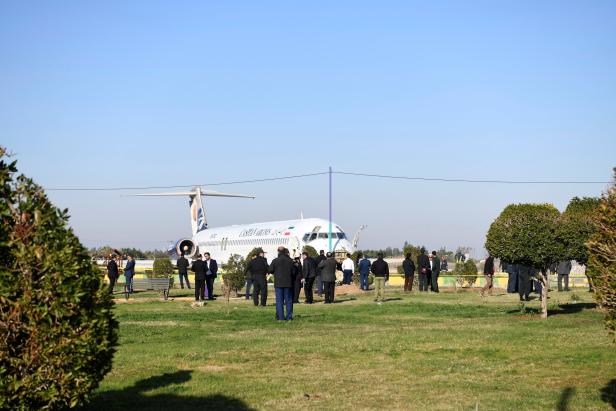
447, 351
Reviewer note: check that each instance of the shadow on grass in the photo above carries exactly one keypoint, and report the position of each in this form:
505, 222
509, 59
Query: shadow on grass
136, 397
565, 398
608, 393
563, 309
572, 308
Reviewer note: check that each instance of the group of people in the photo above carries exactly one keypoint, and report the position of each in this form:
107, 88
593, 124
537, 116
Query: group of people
429, 266
522, 279
206, 271
113, 272
291, 275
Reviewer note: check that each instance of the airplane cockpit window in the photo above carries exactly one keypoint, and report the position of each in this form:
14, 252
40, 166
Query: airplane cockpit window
306, 237
323, 235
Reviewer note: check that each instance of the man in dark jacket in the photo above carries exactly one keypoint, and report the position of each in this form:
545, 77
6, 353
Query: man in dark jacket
488, 273
320, 257
112, 272
309, 271
210, 274
380, 269
364, 272
409, 272
182, 265
444, 264
200, 269
435, 269
258, 271
129, 273
512, 280
524, 282
423, 265
328, 273
563, 269
282, 268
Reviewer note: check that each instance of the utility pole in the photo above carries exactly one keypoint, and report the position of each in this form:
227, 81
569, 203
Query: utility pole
330, 209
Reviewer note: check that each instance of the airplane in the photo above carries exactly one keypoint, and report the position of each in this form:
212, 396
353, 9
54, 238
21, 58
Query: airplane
223, 242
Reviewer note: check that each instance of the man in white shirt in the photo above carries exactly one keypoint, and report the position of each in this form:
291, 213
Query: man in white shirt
348, 267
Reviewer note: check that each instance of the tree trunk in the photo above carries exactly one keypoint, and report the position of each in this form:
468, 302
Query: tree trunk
544, 293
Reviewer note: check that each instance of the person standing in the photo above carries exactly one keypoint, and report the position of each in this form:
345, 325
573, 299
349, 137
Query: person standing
409, 272
535, 280
423, 265
210, 275
309, 271
328, 274
182, 264
249, 280
435, 269
200, 269
524, 282
112, 272
444, 264
512, 280
380, 269
488, 273
563, 270
364, 272
258, 268
298, 279
348, 268
320, 257
129, 273
282, 268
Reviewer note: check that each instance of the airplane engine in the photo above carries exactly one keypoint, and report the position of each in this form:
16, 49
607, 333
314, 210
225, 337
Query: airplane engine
186, 246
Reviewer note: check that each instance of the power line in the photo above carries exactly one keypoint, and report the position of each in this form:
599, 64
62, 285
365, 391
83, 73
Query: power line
463, 180
259, 180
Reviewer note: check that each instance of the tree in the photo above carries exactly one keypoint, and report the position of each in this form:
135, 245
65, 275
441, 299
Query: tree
527, 234
58, 331
577, 224
602, 260
413, 249
234, 278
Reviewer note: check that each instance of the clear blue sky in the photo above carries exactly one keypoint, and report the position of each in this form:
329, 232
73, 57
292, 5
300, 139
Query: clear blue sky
161, 93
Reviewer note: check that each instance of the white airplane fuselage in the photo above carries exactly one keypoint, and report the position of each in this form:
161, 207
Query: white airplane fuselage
223, 242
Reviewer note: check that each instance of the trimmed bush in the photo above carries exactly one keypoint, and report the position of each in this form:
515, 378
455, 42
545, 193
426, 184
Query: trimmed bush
163, 268
234, 278
470, 270
58, 331
466, 273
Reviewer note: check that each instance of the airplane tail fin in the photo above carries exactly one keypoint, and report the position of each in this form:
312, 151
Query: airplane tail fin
197, 211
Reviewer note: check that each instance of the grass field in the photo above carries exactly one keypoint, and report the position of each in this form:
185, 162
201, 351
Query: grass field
447, 351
